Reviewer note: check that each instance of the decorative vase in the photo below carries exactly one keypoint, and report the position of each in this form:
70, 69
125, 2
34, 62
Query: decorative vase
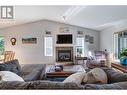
123, 61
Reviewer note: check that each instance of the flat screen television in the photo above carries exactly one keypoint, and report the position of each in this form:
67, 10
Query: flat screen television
64, 39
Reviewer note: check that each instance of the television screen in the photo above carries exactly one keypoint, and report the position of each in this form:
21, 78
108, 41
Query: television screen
64, 39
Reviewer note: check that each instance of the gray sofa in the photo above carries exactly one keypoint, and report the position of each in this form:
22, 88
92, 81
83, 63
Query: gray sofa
116, 80
30, 72
35, 74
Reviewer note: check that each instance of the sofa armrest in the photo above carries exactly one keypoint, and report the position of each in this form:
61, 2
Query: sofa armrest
114, 86
114, 76
39, 85
14, 85
42, 74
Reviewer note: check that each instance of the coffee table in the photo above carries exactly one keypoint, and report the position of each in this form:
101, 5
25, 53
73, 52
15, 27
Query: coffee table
51, 74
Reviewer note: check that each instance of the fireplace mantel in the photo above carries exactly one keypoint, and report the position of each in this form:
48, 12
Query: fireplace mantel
64, 45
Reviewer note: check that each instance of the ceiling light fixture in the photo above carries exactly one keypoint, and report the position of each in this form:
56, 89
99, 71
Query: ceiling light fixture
72, 11
64, 18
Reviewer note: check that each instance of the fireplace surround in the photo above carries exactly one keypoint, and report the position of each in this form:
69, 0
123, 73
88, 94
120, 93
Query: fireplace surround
64, 54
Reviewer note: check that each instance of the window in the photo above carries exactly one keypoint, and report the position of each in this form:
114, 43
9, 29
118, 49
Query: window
48, 46
120, 42
1, 47
80, 46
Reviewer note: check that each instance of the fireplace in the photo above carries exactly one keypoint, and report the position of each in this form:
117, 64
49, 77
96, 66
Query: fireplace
64, 54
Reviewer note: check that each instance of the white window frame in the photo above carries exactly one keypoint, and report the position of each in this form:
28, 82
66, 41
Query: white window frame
45, 46
82, 46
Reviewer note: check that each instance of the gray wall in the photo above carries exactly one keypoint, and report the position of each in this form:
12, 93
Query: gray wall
106, 36
34, 53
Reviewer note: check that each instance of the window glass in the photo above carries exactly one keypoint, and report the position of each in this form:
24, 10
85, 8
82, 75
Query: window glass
120, 43
48, 46
80, 46
2, 47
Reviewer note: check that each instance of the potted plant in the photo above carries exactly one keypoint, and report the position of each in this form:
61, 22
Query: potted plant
123, 57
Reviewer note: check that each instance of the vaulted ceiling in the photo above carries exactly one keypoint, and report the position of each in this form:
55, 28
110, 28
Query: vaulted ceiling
94, 17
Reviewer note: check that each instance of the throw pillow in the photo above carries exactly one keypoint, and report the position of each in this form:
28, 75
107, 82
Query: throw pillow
75, 78
12, 66
9, 76
4, 67
96, 75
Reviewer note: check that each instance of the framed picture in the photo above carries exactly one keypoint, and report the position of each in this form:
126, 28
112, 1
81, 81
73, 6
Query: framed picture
48, 32
80, 32
29, 40
91, 39
87, 38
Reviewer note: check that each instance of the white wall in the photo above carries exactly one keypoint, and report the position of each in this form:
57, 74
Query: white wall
106, 36
34, 53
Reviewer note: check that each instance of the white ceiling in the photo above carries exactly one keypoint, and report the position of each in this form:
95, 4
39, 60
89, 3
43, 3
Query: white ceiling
94, 17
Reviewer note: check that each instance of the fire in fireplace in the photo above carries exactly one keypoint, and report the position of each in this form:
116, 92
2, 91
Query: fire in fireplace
64, 54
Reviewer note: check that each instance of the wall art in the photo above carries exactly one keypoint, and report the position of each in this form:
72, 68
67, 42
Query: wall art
29, 40
87, 38
91, 39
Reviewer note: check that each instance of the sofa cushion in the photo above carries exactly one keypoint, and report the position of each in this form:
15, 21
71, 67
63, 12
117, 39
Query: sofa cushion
54, 85
31, 76
75, 78
96, 75
12, 66
32, 72
9, 76
4, 67
39, 85
114, 76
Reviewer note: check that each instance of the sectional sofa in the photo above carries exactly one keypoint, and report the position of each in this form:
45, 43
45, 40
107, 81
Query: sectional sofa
34, 76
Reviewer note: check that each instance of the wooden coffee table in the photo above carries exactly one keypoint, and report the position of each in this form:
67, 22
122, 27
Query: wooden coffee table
67, 71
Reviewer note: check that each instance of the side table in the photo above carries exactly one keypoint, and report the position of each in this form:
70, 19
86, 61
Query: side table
83, 59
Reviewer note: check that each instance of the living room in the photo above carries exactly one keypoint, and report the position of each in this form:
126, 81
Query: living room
63, 47
35, 53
